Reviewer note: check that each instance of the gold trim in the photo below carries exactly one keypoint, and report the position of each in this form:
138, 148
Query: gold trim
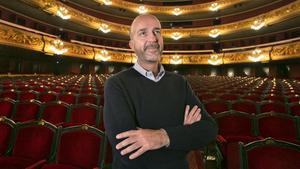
15, 36
272, 17
185, 9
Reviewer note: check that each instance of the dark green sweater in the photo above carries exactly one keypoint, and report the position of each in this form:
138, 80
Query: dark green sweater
132, 100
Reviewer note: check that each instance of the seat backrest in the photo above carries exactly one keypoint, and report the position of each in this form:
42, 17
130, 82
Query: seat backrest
267, 106
27, 110
294, 108
12, 94
216, 106
55, 112
270, 153
34, 140
81, 146
85, 114
69, 98
277, 125
6, 131
234, 123
6, 107
48, 97
88, 98
28, 95
245, 106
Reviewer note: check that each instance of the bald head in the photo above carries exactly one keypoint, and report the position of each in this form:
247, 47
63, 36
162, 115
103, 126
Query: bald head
139, 19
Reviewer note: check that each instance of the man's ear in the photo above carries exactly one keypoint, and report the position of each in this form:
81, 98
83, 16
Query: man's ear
131, 44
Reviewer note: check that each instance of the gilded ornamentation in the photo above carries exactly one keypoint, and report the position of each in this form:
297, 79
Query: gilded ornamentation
20, 38
271, 17
82, 51
286, 51
186, 9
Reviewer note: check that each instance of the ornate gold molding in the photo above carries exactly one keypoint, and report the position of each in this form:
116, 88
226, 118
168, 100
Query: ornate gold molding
272, 17
286, 51
75, 50
186, 9
15, 36
19, 38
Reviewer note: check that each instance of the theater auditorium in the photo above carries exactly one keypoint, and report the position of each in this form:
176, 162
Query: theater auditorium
240, 57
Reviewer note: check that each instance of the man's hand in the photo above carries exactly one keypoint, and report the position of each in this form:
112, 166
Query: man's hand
192, 116
141, 140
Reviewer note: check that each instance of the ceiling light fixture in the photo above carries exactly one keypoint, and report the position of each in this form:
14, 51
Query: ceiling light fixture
107, 2
175, 60
214, 60
256, 55
214, 33
258, 24
104, 28
177, 11
57, 46
102, 56
214, 6
63, 13
176, 35
142, 9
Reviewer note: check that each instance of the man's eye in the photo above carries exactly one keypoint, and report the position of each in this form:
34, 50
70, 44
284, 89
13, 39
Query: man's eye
157, 32
142, 33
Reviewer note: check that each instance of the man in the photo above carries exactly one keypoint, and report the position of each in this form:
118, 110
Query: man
152, 117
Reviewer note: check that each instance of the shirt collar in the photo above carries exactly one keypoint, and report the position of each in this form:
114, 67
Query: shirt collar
149, 74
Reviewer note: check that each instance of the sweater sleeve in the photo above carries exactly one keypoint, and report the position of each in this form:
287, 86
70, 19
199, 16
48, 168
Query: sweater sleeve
118, 117
196, 135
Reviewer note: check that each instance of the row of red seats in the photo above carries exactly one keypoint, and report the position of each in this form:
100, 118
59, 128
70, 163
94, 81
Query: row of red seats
57, 112
251, 107
70, 98
40, 144
250, 96
237, 127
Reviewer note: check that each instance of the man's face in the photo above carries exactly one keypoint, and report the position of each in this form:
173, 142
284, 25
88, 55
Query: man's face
146, 39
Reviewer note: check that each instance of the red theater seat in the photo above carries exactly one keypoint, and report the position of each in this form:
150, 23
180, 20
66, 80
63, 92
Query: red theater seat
269, 154
12, 94
32, 146
55, 112
294, 108
85, 113
48, 97
27, 110
79, 147
88, 98
6, 131
279, 126
247, 106
28, 95
267, 106
69, 98
216, 106
6, 107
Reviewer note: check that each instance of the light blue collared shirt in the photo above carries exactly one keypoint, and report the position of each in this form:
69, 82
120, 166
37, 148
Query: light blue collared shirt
149, 74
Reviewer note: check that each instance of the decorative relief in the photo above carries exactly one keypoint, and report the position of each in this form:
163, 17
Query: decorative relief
79, 50
236, 57
271, 17
121, 57
168, 9
286, 51
19, 38
72, 49
165, 60
25, 39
